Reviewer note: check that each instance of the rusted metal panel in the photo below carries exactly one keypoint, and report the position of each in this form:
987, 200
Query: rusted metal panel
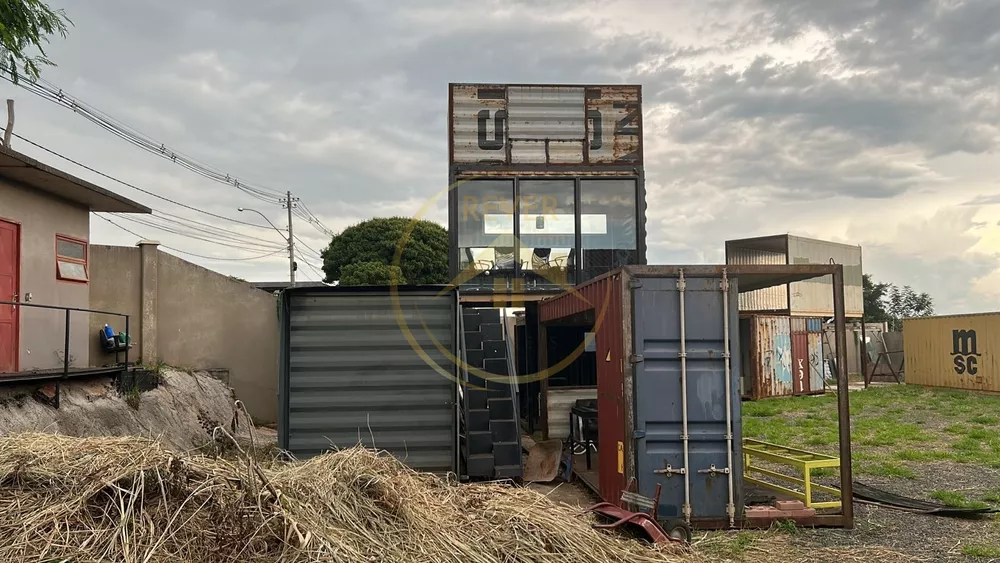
958, 351
615, 124
602, 298
800, 361
478, 123
816, 362
769, 299
773, 354
522, 125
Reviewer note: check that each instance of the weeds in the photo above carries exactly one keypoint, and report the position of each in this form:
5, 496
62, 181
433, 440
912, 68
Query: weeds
981, 550
956, 500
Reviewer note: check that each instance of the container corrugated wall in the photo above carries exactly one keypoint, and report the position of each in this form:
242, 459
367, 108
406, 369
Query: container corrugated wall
604, 296
350, 375
772, 354
816, 383
953, 351
546, 125
814, 298
767, 299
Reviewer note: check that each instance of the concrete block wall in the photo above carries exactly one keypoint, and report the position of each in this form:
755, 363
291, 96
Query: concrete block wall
189, 316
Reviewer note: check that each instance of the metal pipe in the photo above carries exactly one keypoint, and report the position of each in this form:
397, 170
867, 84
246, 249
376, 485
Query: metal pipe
843, 400
128, 339
65, 360
731, 508
681, 286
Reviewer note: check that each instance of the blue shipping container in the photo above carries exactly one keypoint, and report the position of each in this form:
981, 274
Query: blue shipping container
657, 390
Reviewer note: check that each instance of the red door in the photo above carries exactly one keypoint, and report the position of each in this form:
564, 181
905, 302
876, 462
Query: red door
10, 247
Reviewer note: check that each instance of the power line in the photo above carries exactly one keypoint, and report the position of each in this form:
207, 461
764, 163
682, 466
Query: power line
137, 188
243, 245
48, 91
316, 252
133, 233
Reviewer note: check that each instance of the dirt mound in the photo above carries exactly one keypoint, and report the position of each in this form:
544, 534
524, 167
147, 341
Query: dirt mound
128, 499
181, 412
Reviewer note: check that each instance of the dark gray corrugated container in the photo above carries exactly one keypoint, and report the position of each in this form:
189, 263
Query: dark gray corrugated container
350, 373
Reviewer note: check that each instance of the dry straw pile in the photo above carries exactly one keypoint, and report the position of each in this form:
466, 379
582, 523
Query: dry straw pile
127, 499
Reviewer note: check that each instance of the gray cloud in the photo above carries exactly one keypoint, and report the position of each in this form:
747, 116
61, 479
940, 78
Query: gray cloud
346, 103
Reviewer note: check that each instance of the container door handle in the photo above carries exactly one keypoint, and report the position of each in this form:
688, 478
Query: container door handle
714, 470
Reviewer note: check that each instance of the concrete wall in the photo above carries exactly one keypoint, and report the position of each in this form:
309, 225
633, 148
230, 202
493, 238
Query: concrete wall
192, 317
41, 217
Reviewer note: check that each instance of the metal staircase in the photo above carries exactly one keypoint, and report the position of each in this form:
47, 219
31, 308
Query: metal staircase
490, 430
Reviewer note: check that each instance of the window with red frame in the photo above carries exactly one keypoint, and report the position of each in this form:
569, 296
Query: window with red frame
71, 259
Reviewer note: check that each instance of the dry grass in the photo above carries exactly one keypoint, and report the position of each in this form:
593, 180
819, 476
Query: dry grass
131, 500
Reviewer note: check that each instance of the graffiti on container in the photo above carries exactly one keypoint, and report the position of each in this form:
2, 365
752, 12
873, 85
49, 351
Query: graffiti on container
965, 352
800, 374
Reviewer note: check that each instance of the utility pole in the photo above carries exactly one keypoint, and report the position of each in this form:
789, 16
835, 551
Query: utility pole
288, 204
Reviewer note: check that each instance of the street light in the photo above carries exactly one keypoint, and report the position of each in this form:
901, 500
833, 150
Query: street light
290, 240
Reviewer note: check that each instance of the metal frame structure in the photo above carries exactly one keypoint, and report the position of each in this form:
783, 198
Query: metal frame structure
804, 460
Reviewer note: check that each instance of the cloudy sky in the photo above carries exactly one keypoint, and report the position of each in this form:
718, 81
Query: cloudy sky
872, 122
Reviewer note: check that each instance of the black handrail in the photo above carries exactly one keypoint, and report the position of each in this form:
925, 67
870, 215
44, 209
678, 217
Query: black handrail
68, 311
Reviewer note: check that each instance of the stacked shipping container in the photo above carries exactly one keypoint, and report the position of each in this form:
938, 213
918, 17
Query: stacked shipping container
784, 358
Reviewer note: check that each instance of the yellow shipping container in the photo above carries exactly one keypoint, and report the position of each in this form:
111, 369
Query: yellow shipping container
957, 351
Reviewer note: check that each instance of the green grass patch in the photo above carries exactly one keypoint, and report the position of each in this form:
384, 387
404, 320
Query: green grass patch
983, 419
981, 550
979, 434
823, 472
887, 469
957, 500
922, 455
956, 429
992, 496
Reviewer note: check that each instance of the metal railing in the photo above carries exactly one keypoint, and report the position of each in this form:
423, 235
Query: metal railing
68, 312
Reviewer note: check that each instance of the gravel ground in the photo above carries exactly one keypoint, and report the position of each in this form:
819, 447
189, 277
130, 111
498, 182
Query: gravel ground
933, 537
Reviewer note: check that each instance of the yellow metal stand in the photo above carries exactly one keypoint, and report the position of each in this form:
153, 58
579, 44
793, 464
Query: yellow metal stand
803, 460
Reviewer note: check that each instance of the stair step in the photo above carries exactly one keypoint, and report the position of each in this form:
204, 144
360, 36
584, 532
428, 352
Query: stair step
506, 453
508, 471
498, 393
504, 430
479, 419
480, 442
498, 382
474, 358
473, 340
470, 320
501, 408
479, 465
489, 315
491, 331
493, 349
476, 398
495, 366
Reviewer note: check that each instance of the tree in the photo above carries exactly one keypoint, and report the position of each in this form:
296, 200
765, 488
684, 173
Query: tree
371, 273
885, 302
374, 242
25, 24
